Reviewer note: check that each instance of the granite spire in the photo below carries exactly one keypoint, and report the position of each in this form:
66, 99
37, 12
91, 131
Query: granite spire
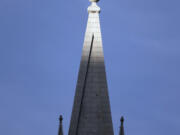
91, 114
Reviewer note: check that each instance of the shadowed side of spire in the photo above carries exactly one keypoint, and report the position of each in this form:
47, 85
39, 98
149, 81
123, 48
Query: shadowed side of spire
121, 132
60, 132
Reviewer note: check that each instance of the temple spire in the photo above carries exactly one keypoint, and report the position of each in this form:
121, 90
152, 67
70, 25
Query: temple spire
60, 132
91, 114
121, 132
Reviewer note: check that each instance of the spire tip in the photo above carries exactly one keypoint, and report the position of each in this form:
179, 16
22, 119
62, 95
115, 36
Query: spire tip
121, 132
122, 119
61, 118
93, 0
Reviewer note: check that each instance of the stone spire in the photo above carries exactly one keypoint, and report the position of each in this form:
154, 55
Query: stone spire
60, 132
91, 114
121, 132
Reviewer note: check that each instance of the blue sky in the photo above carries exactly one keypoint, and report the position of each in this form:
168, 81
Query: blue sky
40, 50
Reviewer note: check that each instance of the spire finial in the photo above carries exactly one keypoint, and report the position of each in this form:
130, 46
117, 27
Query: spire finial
122, 120
61, 118
93, 0
93, 8
121, 132
60, 132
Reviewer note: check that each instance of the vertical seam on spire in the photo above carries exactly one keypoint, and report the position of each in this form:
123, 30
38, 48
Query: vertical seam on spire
84, 84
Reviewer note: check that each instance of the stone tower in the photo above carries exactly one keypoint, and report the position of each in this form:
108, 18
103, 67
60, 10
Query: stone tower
91, 114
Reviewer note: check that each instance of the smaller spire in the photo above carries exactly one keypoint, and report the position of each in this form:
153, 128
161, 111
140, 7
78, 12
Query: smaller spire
60, 132
121, 132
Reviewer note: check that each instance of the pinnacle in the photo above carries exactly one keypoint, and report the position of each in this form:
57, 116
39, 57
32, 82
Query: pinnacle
60, 118
122, 119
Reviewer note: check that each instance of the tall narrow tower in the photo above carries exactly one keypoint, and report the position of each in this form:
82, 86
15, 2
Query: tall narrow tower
91, 113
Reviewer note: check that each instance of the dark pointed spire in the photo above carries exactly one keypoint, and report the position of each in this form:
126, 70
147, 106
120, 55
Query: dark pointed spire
60, 132
121, 132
